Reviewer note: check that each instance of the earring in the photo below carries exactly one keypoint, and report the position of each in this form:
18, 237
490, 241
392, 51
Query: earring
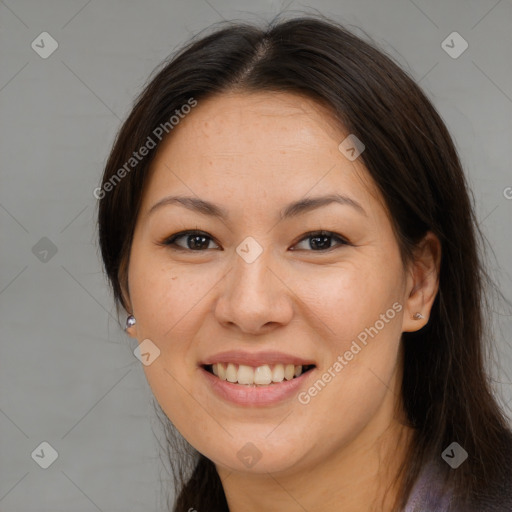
416, 316
130, 322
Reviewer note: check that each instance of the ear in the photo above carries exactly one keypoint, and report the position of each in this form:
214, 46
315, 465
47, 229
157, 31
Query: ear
422, 282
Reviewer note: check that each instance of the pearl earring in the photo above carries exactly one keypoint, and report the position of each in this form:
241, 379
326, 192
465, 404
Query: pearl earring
130, 322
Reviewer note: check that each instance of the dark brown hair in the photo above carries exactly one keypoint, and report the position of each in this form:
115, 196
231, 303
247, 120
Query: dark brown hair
412, 159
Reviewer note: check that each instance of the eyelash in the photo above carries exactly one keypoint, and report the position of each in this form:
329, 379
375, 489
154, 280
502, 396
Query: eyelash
171, 241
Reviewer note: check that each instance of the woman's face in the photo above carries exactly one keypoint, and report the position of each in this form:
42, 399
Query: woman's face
253, 284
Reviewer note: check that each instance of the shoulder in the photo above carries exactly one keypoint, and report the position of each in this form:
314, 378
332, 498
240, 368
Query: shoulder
498, 497
430, 495
427, 494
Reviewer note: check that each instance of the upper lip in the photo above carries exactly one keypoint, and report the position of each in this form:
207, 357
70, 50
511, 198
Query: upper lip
256, 358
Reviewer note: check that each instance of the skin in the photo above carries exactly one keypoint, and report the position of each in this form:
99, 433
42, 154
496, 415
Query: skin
253, 154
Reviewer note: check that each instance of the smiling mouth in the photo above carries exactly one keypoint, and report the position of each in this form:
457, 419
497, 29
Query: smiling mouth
265, 375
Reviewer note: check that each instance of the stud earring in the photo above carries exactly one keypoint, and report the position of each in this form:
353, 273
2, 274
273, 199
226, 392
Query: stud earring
416, 316
130, 322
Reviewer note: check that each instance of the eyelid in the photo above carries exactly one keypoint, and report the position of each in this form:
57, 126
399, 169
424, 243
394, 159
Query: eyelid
322, 232
170, 240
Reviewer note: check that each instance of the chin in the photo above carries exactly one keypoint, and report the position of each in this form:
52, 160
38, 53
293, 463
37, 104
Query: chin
257, 457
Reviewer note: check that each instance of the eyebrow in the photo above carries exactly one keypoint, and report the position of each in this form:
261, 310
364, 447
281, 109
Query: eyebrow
291, 210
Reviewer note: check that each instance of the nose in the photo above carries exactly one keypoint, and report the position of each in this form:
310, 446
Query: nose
255, 297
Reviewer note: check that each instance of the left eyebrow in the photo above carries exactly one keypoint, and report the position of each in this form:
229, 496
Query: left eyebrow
308, 204
293, 209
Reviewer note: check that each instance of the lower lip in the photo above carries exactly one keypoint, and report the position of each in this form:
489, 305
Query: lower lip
255, 395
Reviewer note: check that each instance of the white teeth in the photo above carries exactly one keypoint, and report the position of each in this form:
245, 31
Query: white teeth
221, 371
261, 376
289, 371
278, 373
231, 373
245, 374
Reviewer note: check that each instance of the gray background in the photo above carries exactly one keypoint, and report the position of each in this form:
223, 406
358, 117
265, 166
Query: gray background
67, 372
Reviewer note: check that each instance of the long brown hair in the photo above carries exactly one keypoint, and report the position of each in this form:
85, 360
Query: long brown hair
412, 159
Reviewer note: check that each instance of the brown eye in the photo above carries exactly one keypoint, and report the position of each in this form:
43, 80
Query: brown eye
321, 240
198, 241
194, 241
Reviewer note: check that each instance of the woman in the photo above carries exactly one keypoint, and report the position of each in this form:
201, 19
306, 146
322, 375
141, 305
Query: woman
285, 220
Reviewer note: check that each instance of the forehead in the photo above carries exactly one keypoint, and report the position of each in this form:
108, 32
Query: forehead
251, 125
266, 146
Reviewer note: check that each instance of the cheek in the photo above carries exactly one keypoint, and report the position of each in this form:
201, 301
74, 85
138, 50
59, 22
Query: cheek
344, 299
166, 297
356, 314
358, 333
167, 305
170, 304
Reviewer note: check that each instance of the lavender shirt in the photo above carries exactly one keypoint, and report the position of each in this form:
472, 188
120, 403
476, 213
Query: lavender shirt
427, 495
